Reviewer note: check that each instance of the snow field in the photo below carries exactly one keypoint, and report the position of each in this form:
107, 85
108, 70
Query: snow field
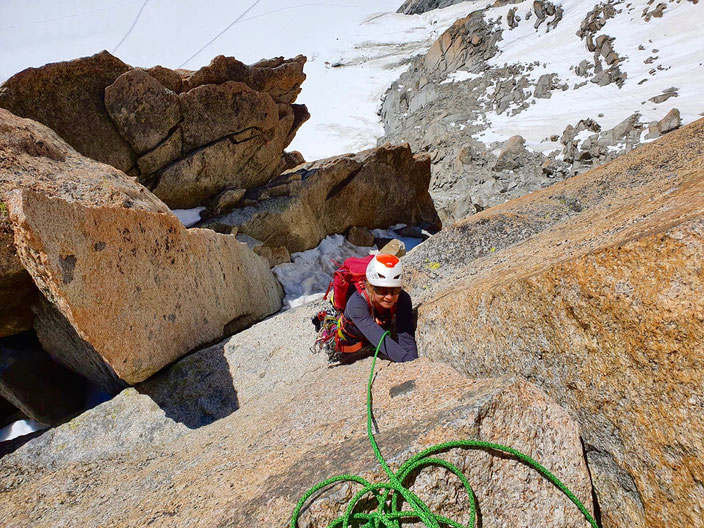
674, 36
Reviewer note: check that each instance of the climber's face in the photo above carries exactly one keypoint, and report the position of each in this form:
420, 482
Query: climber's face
384, 297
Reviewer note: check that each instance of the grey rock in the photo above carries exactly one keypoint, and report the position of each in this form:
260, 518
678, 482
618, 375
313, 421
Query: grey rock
512, 154
666, 94
415, 7
142, 109
545, 85
303, 205
672, 121
511, 18
583, 68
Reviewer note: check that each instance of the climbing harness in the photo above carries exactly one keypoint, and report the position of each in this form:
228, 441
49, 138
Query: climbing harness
389, 494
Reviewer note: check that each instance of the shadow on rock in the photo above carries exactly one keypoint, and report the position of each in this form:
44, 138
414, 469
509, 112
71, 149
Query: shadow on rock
196, 391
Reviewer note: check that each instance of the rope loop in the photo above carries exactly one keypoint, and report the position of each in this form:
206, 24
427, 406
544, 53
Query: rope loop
390, 495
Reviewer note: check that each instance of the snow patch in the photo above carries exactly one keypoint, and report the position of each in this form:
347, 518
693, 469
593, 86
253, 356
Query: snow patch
20, 428
309, 273
189, 217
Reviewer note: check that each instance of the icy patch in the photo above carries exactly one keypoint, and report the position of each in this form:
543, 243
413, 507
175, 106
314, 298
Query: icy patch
189, 217
20, 428
307, 276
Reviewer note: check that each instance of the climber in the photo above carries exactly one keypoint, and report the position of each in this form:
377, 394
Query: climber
381, 305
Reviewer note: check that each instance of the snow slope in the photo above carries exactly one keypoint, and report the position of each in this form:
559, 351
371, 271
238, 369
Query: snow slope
671, 47
355, 48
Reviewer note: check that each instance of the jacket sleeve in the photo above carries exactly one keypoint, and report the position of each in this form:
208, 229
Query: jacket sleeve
405, 349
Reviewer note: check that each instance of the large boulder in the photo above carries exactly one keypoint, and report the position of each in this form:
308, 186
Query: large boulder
69, 98
594, 290
233, 435
34, 157
143, 110
126, 288
374, 188
187, 135
246, 153
280, 78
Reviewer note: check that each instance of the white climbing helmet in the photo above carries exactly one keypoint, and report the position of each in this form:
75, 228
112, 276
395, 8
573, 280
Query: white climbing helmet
385, 271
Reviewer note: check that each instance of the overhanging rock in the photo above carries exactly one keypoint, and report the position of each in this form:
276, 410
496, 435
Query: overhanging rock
373, 188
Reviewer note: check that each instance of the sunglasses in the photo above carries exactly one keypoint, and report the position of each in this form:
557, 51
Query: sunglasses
387, 291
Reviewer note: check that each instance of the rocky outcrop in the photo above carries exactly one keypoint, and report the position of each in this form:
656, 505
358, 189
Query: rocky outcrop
33, 157
672, 121
446, 103
415, 7
126, 288
68, 97
599, 146
161, 290
149, 458
187, 135
592, 289
439, 106
374, 188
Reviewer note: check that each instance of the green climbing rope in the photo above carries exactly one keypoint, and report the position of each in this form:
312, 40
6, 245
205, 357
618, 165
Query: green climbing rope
389, 494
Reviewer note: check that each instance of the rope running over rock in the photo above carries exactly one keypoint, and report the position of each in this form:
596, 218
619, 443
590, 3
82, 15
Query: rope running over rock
389, 494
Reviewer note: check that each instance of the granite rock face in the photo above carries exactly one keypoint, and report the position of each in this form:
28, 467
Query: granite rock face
593, 290
33, 157
260, 433
138, 288
69, 98
186, 135
125, 288
374, 188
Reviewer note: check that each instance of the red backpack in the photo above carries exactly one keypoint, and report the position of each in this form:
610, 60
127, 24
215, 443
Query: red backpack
346, 279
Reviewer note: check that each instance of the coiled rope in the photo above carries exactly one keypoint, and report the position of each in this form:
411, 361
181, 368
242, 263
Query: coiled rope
389, 494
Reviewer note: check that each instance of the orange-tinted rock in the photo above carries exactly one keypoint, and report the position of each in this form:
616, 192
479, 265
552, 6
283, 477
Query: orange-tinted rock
594, 290
68, 97
34, 157
281, 78
129, 289
250, 467
139, 288
374, 188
